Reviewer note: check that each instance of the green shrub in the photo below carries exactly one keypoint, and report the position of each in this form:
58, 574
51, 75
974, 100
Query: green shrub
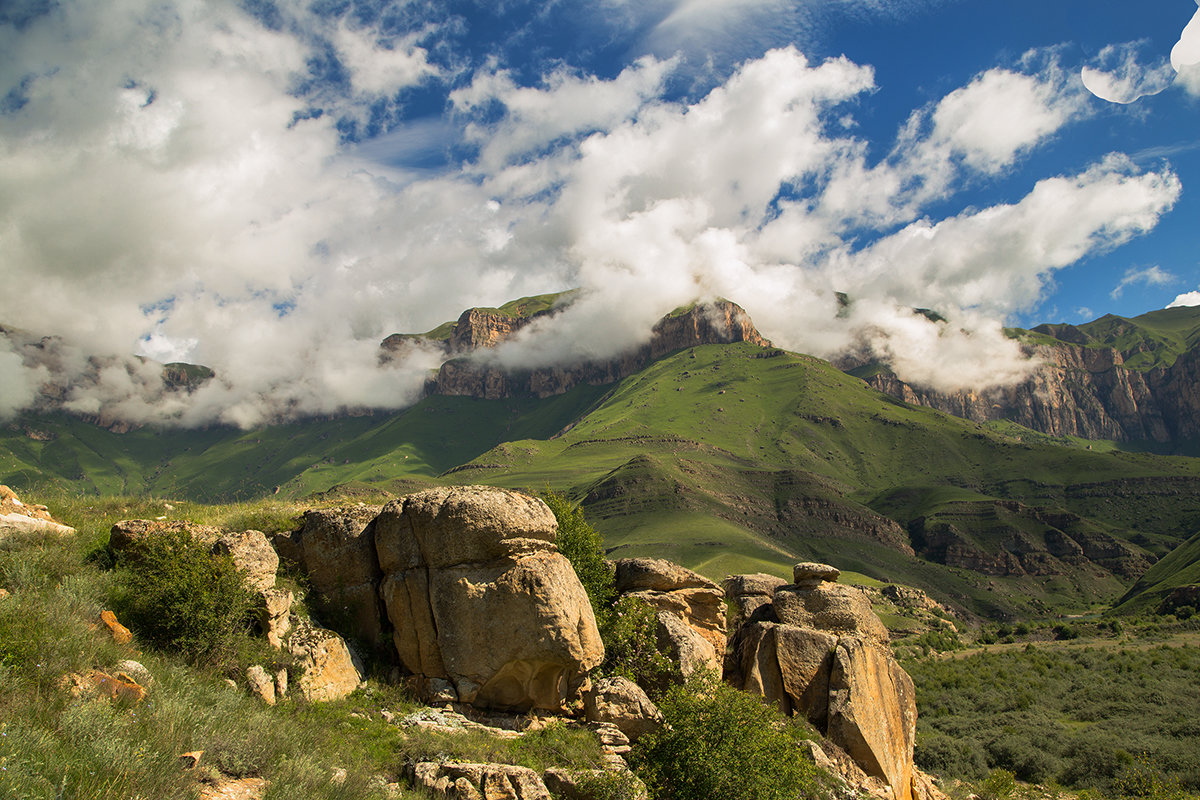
999, 785
582, 546
180, 597
631, 647
719, 742
1063, 632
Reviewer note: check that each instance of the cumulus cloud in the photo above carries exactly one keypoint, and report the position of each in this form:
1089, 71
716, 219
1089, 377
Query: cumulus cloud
1151, 276
173, 181
1185, 299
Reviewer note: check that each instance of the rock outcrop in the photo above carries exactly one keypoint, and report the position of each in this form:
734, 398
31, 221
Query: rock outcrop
817, 649
19, 517
477, 331
690, 610
478, 595
749, 593
338, 555
1079, 390
462, 781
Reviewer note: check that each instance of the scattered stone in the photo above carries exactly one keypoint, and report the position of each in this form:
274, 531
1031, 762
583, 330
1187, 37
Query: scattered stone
622, 702
120, 634
95, 683
230, 683
612, 739
478, 781
261, 684
5, 594
281, 683
234, 789
135, 672
339, 777
19, 517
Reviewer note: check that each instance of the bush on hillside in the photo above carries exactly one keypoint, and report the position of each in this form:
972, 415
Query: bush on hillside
178, 596
720, 742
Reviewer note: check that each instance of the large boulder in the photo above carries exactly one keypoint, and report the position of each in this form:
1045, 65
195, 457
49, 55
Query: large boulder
690, 609
873, 712
336, 548
327, 669
478, 594
819, 650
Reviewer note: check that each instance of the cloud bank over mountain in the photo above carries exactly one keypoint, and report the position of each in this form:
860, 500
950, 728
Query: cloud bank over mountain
194, 182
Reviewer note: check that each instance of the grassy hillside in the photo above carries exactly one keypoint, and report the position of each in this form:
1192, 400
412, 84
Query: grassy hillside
1150, 340
1181, 567
726, 458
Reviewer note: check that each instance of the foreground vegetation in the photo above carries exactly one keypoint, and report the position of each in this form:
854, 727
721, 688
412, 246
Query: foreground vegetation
54, 744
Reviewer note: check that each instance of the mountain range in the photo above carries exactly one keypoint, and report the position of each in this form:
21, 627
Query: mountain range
711, 447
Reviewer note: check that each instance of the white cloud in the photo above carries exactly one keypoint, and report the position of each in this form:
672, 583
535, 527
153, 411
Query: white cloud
1117, 76
1185, 299
165, 188
1186, 52
379, 68
1151, 276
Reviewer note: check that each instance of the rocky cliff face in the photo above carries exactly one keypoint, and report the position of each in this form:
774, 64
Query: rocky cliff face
711, 323
1080, 391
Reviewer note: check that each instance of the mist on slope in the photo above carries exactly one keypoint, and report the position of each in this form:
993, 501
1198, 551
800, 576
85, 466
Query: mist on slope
175, 184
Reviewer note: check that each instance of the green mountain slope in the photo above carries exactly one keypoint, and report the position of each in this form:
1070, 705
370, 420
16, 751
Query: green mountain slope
726, 458
1181, 567
1154, 339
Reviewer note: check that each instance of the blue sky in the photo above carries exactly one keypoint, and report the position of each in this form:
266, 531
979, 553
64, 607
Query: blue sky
270, 188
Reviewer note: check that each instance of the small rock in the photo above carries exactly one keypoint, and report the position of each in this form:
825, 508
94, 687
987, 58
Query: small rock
120, 634
230, 683
135, 672
190, 760
261, 684
4, 593
339, 777
281, 683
